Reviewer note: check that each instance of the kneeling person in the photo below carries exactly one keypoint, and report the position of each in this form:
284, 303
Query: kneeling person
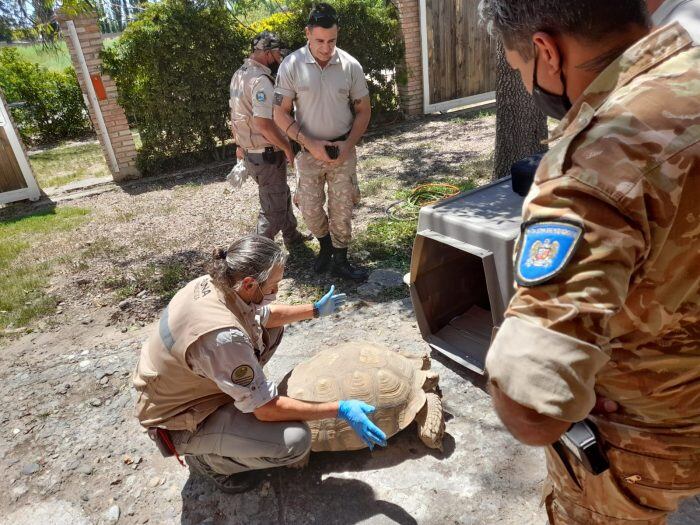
201, 388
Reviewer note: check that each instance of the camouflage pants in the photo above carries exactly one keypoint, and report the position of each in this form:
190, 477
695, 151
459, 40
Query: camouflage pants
276, 213
343, 196
649, 475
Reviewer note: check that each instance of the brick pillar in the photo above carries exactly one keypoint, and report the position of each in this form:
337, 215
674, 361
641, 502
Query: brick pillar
122, 157
411, 92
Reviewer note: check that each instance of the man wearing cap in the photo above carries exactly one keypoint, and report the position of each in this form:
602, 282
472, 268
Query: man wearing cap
326, 89
265, 149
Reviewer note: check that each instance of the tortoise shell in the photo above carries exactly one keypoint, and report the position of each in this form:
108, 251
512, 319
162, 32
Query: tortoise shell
391, 382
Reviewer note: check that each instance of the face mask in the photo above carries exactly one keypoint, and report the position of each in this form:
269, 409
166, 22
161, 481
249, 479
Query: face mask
555, 106
274, 67
266, 299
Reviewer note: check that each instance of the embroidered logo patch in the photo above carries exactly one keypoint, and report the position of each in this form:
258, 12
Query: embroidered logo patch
242, 375
545, 249
260, 96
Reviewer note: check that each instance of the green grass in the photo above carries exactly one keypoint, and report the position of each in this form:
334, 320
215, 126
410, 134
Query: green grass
374, 186
475, 115
23, 280
54, 59
69, 163
388, 242
161, 280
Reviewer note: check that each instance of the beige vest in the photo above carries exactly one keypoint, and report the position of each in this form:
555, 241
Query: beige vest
170, 394
242, 104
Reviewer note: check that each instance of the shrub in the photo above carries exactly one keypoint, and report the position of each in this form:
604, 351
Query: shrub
53, 106
173, 67
369, 31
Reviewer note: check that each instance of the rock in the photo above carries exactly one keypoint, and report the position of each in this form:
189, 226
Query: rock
104, 380
86, 320
154, 482
142, 294
85, 497
369, 290
126, 303
386, 278
85, 469
19, 491
111, 515
99, 374
84, 364
30, 468
96, 402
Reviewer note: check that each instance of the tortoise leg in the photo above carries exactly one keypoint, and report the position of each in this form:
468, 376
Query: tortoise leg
431, 421
431, 381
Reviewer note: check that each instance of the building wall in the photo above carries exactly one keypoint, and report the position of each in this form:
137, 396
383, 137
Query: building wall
411, 92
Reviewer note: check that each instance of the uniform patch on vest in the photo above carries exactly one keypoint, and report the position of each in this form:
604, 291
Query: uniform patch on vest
545, 249
260, 96
242, 375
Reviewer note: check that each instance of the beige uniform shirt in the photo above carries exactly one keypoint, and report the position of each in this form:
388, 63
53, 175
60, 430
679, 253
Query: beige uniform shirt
218, 355
322, 97
251, 92
621, 318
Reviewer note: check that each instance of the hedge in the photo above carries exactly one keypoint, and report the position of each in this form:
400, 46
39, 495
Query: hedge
53, 107
173, 67
174, 64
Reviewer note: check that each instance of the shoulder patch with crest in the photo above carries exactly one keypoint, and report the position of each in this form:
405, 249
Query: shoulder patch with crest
260, 96
544, 250
242, 375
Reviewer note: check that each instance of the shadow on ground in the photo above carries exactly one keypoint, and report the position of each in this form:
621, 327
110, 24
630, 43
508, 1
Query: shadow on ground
319, 493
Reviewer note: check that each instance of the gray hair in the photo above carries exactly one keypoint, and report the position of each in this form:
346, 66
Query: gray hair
515, 21
251, 256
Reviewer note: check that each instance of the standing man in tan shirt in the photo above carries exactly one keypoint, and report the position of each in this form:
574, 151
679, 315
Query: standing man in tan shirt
263, 146
326, 89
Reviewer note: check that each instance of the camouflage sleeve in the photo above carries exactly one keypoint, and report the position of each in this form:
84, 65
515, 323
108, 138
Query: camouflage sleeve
556, 334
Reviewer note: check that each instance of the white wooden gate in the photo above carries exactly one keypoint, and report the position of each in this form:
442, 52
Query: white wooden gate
16, 178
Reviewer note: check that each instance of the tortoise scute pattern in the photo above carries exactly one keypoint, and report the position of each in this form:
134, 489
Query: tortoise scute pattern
394, 383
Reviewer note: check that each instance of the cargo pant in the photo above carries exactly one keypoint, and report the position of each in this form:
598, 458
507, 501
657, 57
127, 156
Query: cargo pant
649, 475
343, 195
276, 212
231, 442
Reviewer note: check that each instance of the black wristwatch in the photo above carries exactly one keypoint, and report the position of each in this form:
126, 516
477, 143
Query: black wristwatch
317, 314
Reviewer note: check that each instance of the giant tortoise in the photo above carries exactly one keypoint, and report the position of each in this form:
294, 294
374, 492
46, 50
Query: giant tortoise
400, 386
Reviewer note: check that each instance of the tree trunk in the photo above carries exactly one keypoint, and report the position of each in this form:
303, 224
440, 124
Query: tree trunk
520, 125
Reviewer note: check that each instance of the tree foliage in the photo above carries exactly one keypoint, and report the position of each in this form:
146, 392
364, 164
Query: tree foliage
52, 104
173, 67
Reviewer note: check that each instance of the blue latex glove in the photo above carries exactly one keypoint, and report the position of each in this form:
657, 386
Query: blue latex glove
355, 413
329, 303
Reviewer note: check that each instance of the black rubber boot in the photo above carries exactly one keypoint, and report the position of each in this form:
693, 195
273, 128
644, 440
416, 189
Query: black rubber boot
325, 255
343, 268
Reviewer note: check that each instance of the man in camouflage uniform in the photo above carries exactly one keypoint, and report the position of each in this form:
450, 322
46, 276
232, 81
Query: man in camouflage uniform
327, 90
265, 149
606, 312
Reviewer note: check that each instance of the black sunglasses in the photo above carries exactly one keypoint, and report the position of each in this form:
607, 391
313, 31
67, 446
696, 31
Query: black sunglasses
324, 20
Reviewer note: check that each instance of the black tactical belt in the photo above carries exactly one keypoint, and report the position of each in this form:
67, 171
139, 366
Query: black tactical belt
296, 147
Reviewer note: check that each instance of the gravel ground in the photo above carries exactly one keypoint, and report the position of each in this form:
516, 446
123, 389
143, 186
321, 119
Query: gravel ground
72, 452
